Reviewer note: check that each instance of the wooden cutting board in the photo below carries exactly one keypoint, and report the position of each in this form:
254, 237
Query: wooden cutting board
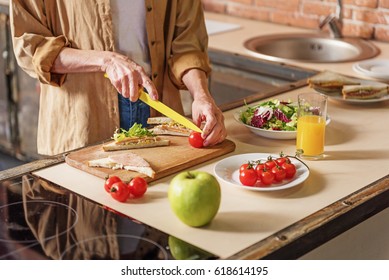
166, 160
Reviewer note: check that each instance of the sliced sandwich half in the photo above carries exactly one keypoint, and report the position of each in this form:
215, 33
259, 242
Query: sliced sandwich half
135, 138
166, 126
365, 91
127, 161
328, 81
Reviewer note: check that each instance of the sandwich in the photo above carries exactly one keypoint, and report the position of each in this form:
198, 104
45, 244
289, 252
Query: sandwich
127, 161
166, 126
365, 91
135, 138
328, 81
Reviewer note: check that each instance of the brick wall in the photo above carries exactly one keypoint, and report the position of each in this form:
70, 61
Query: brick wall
367, 19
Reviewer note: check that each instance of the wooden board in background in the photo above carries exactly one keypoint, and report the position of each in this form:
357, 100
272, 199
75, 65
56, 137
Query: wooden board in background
166, 160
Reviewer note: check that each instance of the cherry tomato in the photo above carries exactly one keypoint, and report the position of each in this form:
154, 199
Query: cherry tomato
290, 169
259, 169
243, 166
248, 177
195, 139
137, 187
267, 177
281, 160
120, 191
110, 181
279, 173
270, 163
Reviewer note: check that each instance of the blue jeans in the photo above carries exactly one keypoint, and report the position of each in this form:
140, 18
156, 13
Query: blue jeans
132, 112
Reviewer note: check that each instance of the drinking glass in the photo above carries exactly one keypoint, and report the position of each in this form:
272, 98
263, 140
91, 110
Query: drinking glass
311, 124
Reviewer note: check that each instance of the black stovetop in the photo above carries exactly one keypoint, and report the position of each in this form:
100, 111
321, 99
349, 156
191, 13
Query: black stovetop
40, 220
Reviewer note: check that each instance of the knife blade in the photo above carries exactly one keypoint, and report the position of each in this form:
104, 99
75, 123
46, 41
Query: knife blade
167, 111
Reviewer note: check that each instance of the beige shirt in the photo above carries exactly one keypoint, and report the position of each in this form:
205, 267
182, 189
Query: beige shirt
80, 109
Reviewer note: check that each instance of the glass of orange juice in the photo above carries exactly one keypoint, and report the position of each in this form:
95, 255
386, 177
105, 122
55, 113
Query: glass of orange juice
311, 124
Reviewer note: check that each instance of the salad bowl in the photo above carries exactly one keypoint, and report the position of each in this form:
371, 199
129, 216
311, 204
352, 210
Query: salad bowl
272, 134
279, 133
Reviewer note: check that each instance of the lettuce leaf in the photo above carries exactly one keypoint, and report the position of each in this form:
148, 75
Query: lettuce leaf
135, 131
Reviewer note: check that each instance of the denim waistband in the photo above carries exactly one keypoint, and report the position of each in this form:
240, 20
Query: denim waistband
132, 112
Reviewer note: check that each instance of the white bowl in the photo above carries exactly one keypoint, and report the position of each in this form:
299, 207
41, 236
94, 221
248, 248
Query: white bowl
272, 134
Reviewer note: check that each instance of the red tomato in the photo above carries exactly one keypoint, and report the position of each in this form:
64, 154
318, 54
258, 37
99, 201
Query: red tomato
270, 163
243, 166
248, 177
259, 169
281, 160
137, 187
279, 173
195, 139
290, 169
120, 191
267, 177
110, 181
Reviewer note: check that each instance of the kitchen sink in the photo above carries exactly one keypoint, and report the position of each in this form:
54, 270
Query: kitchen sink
310, 47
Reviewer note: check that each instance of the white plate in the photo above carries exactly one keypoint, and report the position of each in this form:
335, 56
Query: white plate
272, 134
227, 170
336, 95
375, 68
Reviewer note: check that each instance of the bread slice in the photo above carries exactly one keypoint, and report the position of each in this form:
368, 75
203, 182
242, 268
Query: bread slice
127, 161
166, 126
163, 129
330, 81
365, 91
136, 143
159, 120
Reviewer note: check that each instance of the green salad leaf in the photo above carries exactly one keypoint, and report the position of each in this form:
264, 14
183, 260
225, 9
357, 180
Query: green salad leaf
271, 115
137, 130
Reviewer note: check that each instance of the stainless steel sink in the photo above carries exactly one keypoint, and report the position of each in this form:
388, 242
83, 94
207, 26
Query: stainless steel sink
310, 47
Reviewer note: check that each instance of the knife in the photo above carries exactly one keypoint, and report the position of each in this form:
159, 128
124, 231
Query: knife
167, 111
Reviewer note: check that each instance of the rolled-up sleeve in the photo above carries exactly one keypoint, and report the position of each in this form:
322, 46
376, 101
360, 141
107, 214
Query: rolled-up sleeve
190, 42
35, 47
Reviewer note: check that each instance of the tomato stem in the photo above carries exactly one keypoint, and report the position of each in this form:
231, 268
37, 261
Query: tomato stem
298, 152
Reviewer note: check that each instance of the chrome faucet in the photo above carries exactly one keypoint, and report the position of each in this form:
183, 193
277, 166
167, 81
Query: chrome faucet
334, 21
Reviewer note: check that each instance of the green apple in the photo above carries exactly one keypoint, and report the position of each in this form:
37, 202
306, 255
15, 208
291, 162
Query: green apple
194, 197
182, 250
